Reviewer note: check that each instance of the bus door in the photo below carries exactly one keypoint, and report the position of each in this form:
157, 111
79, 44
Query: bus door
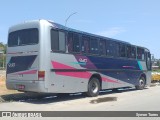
148, 60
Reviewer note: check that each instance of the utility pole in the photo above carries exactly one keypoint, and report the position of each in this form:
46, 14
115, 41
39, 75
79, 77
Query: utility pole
69, 17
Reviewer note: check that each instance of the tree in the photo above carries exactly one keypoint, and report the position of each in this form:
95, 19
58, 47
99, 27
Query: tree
2, 56
1, 44
3, 47
158, 63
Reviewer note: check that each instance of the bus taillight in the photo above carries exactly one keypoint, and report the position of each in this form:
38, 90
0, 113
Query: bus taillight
41, 75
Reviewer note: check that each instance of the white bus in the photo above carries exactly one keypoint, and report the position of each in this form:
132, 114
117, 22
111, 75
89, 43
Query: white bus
43, 56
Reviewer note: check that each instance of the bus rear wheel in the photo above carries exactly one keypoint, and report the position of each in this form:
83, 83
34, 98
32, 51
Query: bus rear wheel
93, 87
141, 83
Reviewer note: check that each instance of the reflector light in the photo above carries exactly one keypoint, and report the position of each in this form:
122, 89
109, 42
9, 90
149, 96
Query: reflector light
41, 74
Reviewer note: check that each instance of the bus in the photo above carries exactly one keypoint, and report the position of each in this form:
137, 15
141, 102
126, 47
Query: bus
46, 57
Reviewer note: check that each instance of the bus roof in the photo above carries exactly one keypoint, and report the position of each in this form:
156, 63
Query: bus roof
62, 27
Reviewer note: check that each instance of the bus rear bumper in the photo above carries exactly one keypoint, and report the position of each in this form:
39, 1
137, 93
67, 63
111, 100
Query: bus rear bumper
26, 86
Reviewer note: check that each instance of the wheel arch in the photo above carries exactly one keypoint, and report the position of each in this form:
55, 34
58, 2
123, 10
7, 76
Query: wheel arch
98, 76
141, 82
143, 75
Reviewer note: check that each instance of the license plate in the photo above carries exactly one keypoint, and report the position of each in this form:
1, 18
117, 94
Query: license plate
21, 87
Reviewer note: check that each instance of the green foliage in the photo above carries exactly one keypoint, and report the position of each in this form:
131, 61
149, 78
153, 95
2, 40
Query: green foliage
3, 47
158, 63
3, 56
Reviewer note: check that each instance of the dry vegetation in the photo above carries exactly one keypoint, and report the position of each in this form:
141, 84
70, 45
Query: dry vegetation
13, 95
3, 89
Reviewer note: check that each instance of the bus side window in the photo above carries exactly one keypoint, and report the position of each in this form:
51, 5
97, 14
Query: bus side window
128, 50
122, 50
93, 46
140, 53
112, 49
116, 50
57, 40
102, 47
109, 49
133, 52
85, 45
76, 43
54, 40
70, 42
62, 41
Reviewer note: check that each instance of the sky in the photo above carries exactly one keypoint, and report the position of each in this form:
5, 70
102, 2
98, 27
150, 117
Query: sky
134, 21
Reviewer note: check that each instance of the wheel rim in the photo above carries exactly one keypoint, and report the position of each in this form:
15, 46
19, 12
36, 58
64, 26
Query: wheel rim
141, 82
94, 87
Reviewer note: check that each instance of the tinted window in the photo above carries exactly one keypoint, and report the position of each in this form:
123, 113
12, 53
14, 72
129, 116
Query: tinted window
54, 40
23, 37
102, 47
112, 49
122, 50
93, 46
85, 44
62, 41
76, 43
128, 50
140, 53
57, 40
70, 42
133, 52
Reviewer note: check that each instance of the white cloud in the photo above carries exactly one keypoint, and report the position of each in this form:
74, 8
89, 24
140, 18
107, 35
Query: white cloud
112, 31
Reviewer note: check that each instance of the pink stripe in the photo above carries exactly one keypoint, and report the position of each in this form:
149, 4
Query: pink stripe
27, 72
75, 74
105, 79
86, 75
57, 65
128, 66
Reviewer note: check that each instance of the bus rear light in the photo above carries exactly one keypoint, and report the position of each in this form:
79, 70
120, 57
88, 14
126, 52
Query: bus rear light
41, 75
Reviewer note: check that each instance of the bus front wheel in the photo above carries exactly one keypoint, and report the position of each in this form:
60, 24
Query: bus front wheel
141, 83
93, 87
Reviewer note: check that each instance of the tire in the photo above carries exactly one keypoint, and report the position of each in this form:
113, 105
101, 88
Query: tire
141, 83
93, 87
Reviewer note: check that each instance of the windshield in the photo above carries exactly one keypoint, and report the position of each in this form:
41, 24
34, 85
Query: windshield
23, 37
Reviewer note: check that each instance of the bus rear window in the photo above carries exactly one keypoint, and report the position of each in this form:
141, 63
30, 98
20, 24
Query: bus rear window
23, 37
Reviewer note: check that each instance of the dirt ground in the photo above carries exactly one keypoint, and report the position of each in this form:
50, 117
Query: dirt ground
3, 89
